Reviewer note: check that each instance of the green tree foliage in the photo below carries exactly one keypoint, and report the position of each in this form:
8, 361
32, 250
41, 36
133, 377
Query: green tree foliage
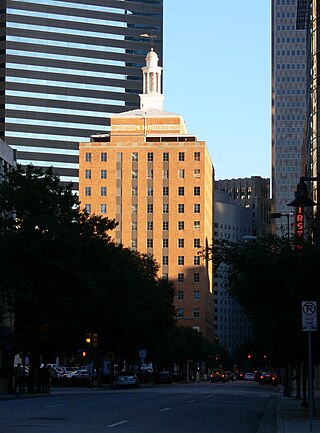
270, 278
62, 275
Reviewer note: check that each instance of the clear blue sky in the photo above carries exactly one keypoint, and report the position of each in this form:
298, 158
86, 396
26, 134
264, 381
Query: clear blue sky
217, 75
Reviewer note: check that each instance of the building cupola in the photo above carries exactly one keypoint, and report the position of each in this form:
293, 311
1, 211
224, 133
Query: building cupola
152, 96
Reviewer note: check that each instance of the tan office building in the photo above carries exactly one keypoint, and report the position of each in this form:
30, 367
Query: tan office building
156, 180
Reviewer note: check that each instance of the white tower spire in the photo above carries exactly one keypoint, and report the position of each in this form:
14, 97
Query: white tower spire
152, 96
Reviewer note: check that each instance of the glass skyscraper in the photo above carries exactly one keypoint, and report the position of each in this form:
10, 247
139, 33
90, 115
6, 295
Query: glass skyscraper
289, 104
65, 67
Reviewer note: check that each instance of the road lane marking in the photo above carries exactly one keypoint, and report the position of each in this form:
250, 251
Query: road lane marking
208, 396
166, 408
191, 401
116, 424
54, 405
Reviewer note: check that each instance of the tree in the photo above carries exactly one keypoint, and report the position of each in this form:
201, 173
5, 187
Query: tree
270, 278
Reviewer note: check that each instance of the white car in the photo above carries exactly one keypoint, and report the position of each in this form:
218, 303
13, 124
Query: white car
249, 376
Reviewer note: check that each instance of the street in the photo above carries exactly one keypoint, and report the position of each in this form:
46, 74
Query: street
236, 407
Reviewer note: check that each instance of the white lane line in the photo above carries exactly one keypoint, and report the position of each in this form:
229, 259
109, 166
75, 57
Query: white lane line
116, 424
54, 405
191, 401
208, 396
104, 399
166, 408
264, 395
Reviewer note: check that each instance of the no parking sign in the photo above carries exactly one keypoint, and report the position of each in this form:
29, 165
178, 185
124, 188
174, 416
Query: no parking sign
309, 316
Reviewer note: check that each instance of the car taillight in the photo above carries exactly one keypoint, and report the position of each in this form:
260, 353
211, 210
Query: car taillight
261, 377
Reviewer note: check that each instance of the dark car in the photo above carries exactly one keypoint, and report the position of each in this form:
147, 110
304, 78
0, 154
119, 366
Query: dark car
217, 375
268, 378
230, 375
126, 379
163, 377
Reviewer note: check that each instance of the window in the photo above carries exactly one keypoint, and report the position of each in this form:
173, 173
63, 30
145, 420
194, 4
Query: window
165, 190
165, 174
180, 278
103, 191
134, 157
196, 243
180, 208
196, 277
196, 173
196, 208
196, 190
196, 260
103, 208
180, 295
181, 156
180, 243
87, 157
165, 208
196, 225
150, 174
180, 190
150, 191
87, 208
196, 295
134, 174
87, 191
165, 225
134, 243
150, 225
134, 208
181, 174
180, 260
103, 174
196, 313
196, 156
149, 243
134, 225
165, 260
87, 174
165, 156
180, 312
134, 191
103, 157
149, 208
180, 225
150, 156
165, 243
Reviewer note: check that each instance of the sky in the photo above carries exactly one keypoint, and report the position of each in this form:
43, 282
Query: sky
217, 75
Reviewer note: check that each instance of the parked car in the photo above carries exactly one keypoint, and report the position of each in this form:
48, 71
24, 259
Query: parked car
249, 377
230, 375
80, 374
163, 377
268, 378
240, 375
126, 379
217, 375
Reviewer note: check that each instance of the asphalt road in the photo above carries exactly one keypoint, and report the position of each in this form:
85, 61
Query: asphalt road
179, 408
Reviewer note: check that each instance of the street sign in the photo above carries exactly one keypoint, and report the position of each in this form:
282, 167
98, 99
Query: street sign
309, 316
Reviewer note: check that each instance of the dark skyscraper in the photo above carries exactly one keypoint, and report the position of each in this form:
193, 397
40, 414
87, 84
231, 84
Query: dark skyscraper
65, 67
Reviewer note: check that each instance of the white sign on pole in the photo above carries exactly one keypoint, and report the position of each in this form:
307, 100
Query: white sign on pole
309, 316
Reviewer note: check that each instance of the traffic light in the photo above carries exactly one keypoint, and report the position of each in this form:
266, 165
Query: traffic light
88, 339
94, 340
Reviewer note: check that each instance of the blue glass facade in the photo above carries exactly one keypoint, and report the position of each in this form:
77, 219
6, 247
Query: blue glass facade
66, 66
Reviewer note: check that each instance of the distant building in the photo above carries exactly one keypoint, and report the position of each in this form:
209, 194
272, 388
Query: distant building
252, 193
231, 222
7, 158
156, 180
289, 100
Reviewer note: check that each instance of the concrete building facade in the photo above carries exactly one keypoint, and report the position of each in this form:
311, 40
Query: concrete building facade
156, 180
252, 193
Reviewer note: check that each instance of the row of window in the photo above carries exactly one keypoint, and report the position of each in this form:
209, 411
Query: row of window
195, 297
165, 225
134, 174
291, 40
135, 156
195, 313
180, 244
291, 79
134, 191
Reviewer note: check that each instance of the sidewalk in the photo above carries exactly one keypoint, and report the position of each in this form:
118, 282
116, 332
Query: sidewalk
292, 418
